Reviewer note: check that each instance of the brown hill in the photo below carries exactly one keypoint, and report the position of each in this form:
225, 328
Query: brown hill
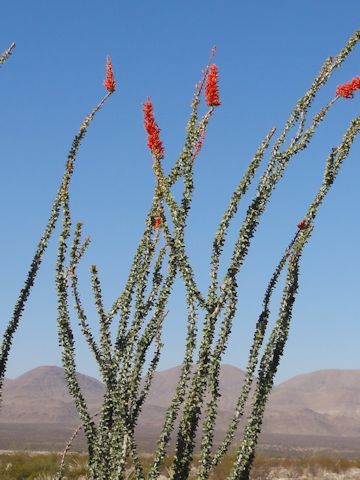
333, 392
324, 403
164, 386
41, 396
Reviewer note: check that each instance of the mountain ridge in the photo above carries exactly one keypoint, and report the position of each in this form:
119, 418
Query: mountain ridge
321, 403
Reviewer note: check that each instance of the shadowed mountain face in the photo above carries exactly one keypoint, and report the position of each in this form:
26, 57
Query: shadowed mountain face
323, 403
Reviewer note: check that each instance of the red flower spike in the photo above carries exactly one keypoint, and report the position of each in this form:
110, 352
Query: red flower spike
302, 225
346, 90
154, 143
212, 88
109, 82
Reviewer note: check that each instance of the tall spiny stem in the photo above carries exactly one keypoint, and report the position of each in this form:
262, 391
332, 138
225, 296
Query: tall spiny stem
43, 243
276, 166
5, 55
142, 304
275, 346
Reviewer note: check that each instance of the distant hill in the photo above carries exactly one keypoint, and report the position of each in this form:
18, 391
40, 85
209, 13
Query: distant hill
164, 385
332, 392
41, 396
324, 403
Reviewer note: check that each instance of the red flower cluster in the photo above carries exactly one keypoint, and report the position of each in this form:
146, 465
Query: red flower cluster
346, 90
212, 88
302, 225
109, 82
154, 143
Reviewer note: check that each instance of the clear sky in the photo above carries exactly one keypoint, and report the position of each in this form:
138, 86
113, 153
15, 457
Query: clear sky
268, 54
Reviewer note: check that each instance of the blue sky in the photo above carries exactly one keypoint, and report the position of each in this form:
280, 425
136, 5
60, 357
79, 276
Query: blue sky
268, 54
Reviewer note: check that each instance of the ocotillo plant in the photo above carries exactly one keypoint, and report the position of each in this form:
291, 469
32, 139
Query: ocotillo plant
141, 306
127, 362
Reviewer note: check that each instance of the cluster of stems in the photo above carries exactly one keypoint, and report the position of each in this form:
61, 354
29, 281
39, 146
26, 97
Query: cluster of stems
129, 344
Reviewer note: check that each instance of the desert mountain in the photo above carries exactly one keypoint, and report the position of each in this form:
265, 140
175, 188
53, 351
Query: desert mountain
164, 386
41, 396
333, 392
325, 403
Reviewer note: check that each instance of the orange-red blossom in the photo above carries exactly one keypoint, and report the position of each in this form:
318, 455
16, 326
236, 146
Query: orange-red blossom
109, 82
346, 90
153, 131
212, 88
